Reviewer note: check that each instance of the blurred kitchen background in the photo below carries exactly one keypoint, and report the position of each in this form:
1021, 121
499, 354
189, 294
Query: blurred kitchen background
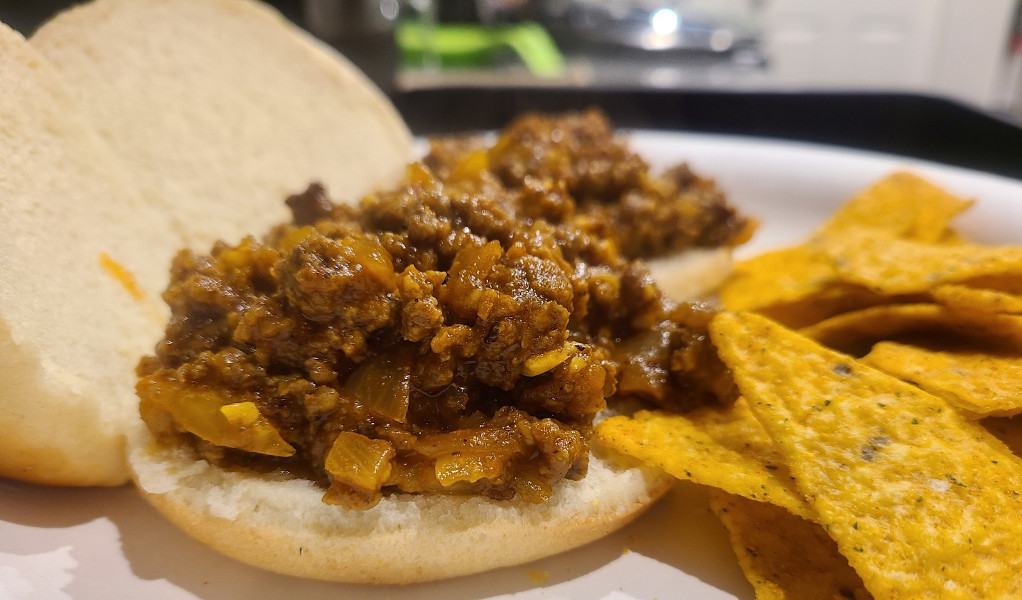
963, 49
966, 50
933, 79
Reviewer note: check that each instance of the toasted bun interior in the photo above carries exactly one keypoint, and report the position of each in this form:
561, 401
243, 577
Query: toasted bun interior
72, 321
219, 109
283, 525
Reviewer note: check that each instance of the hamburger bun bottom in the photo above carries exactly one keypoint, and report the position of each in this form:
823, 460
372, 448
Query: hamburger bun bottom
282, 525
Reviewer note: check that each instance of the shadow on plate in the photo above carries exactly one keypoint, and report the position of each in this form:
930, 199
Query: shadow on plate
55, 507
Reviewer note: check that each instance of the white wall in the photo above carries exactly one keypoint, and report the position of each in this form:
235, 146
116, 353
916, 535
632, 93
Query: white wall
951, 47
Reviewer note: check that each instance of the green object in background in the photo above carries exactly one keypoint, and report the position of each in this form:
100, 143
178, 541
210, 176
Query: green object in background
466, 45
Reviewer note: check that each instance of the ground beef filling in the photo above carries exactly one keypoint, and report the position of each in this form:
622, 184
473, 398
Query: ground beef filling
457, 334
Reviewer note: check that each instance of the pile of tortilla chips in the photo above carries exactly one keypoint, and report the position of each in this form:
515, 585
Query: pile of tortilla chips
880, 363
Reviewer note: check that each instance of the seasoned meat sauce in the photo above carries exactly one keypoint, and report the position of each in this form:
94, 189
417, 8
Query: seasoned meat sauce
457, 334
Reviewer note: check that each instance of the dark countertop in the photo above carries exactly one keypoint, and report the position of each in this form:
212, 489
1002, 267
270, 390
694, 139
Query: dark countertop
919, 126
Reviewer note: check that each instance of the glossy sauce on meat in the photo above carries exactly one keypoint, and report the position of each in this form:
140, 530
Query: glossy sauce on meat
456, 334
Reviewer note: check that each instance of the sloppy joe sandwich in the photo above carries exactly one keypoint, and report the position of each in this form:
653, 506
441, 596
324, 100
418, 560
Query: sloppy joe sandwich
406, 390
396, 389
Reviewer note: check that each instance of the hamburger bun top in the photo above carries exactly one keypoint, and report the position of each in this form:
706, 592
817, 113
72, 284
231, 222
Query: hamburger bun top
72, 322
219, 109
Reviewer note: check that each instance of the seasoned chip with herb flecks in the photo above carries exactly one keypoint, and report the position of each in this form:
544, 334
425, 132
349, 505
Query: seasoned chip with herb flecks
785, 557
966, 297
888, 265
1007, 429
777, 277
687, 450
981, 383
903, 205
922, 502
836, 298
855, 332
788, 282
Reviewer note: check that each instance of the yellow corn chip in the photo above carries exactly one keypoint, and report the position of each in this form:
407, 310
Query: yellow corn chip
855, 332
776, 277
966, 297
922, 502
950, 238
888, 265
736, 428
836, 298
1001, 283
680, 447
979, 383
785, 283
903, 205
1008, 430
785, 557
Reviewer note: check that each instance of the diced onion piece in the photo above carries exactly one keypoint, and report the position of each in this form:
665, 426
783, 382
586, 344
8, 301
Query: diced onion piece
295, 237
373, 260
469, 167
503, 441
532, 488
469, 467
383, 384
252, 432
195, 410
538, 365
418, 174
209, 414
467, 278
359, 461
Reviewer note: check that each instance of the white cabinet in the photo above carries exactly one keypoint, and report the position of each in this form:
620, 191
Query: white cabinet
951, 47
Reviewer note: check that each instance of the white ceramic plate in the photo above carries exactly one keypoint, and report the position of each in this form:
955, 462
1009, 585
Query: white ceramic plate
92, 544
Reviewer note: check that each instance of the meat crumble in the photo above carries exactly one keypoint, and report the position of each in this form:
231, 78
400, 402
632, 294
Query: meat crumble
456, 334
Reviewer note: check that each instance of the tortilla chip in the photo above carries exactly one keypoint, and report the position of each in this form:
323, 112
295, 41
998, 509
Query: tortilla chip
922, 502
736, 428
951, 238
682, 448
888, 265
788, 282
966, 297
1001, 283
855, 332
776, 277
783, 556
1006, 429
980, 383
903, 205
831, 300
